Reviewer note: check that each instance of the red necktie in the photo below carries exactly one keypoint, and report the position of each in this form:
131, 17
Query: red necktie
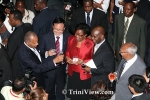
57, 45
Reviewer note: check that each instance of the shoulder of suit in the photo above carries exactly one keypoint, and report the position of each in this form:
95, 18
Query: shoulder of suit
98, 11
139, 18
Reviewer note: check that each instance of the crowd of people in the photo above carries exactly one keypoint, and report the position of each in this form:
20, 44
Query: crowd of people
42, 58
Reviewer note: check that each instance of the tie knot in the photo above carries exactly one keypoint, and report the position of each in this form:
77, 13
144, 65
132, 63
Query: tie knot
88, 14
57, 37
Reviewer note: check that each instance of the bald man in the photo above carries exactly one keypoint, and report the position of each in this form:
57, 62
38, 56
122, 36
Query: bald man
29, 57
103, 56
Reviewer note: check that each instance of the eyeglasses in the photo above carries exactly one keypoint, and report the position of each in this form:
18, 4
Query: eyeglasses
60, 30
123, 52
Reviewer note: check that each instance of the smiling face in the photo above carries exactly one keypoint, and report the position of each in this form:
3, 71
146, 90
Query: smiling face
12, 21
58, 28
80, 36
128, 9
88, 6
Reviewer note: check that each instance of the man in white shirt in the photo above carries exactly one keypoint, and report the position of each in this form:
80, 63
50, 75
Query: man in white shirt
131, 64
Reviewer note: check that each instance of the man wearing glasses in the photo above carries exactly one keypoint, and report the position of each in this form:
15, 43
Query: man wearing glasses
52, 44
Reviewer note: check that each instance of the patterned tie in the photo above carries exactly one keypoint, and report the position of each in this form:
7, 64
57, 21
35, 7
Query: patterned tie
125, 31
95, 48
121, 68
57, 45
88, 19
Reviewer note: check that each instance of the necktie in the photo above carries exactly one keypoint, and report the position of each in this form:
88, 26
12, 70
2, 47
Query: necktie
121, 69
95, 48
125, 31
57, 45
88, 19
37, 53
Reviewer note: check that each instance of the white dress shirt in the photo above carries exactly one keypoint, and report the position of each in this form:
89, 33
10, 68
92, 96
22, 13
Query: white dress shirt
91, 14
105, 4
137, 95
128, 64
35, 51
98, 45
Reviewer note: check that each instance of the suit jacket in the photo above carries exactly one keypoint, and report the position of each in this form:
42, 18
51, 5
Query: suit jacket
42, 23
136, 34
99, 18
47, 42
5, 65
122, 91
142, 97
104, 61
29, 60
14, 42
84, 52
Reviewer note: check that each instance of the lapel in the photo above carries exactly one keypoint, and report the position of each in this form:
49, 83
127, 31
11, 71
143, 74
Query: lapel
121, 25
51, 41
100, 49
132, 24
93, 17
64, 42
30, 52
83, 18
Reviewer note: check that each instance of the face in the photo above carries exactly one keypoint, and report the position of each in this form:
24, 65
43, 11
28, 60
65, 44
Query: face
12, 21
33, 42
146, 78
37, 5
20, 6
58, 28
80, 36
96, 36
123, 52
128, 10
88, 6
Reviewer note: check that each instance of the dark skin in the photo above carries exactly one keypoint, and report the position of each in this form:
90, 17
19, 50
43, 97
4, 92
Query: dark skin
97, 35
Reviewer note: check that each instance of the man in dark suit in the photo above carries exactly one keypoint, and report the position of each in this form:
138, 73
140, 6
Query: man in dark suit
137, 85
103, 56
42, 23
96, 17
47, 44
16, 39
129, 28
130, 64
30, 58
5, 65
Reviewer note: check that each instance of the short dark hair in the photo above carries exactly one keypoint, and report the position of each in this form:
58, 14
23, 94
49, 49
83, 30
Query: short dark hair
137, 82
133, 4
88, 1
84, 27
19, 83
58, 20
10, 6
17, 14
43, 1
147, 70
2, 16
28, 35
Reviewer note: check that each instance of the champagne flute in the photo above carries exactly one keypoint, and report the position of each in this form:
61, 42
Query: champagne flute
111, 78
75, 59
61, 53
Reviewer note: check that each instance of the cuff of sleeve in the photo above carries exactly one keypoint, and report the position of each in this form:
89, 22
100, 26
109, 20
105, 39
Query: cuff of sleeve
46, 55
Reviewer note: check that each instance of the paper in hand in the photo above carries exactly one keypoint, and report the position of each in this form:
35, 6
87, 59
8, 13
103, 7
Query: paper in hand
91, 64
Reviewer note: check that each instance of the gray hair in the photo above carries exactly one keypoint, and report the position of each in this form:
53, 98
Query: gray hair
132, 49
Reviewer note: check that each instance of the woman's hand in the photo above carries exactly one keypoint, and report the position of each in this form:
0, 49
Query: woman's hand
69, 60
80, 61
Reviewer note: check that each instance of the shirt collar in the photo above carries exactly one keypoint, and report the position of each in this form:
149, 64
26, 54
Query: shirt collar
98, 45
133, 59
44, 8
28, 46
91, 13
137, 95
130, 18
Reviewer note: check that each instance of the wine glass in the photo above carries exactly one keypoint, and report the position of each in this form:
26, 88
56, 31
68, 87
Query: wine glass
83, 66
111, 78
61, 53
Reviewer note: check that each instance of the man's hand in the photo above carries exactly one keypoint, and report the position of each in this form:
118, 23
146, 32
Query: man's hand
111, 19
87, 69
121, 3
112, 76
58, 58
80, 61
51, 52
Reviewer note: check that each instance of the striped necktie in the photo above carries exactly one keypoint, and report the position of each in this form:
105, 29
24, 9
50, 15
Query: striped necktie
125, 31
57, 45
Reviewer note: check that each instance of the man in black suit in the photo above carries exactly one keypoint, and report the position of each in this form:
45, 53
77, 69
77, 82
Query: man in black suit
47, 44
16, 39
30, 58
5, 65
96, 17
137, 85
103, 56
42, 23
